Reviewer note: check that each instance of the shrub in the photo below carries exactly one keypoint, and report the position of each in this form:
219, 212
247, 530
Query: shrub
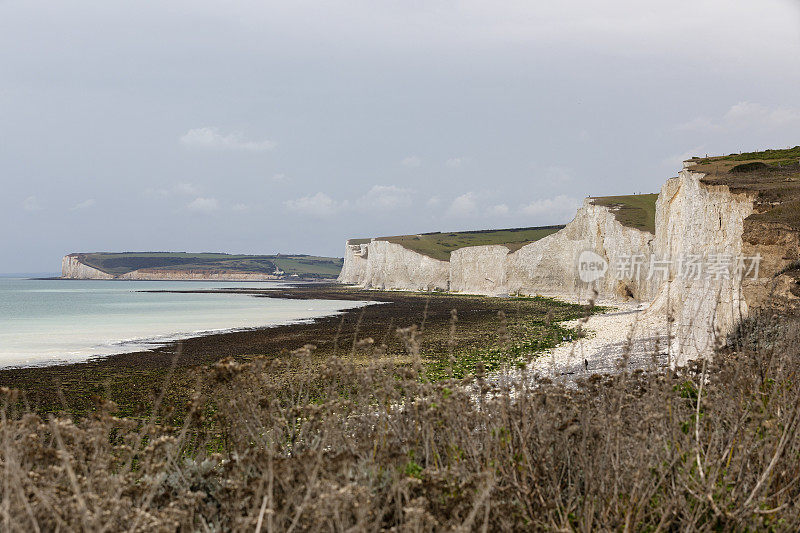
749, 167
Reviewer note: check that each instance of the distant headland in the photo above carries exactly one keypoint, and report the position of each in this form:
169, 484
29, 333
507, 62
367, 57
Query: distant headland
198, 266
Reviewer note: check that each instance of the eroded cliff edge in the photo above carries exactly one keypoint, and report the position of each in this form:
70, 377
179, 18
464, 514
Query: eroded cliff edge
386, 265
546, 266
73, 268
734, 227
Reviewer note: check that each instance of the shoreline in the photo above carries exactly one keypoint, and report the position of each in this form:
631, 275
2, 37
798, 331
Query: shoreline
134, 342
171, 340
134, 380
130, 378
296, 291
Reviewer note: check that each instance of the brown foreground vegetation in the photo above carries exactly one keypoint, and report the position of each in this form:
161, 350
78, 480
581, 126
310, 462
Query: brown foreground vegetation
285, 444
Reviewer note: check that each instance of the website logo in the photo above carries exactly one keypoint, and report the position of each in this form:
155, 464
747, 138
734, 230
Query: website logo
591, 266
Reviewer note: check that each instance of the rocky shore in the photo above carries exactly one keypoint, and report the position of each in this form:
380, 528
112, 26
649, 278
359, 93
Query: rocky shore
134, 380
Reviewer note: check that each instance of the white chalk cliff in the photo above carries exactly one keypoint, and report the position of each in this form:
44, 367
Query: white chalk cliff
386, 265
73, 268
549, 265
692, 219
546, 267
696, 220
355, 264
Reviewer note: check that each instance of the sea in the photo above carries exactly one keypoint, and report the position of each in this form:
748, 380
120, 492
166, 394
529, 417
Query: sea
45, 322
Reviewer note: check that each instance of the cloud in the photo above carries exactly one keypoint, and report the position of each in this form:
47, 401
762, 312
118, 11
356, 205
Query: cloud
386, 197
552, 173
160, 193
499, 210
186, 188
240, 208
434, 201
320, 205
211, 138
180, 189
558, 173
83, 205
454, 162
555, 209
411, 161
203, 205
745, 116
378, 198
463, 205
31, 203
278, 177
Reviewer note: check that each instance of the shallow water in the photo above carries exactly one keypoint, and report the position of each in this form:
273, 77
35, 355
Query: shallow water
53, 321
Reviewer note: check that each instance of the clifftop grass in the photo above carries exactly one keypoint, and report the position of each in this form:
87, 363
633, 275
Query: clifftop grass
302, 265
779, 157
634, 210
439, 245
771, 176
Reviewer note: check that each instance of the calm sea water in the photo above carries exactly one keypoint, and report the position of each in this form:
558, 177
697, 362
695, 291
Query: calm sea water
52, 321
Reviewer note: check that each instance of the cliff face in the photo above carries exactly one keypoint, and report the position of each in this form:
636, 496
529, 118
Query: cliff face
385, 265
72, 268
549, 266
696, 222
479, 270
778, 246
354, 268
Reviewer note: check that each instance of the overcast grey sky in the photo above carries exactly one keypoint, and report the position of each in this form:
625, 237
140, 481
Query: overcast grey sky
264, 127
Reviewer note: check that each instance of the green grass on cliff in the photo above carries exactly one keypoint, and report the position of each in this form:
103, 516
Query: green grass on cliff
635, 210
302, 265
439, 245
775, 157
772, 176
752, 167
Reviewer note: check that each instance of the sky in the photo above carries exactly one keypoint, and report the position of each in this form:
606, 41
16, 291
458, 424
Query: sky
288, 127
